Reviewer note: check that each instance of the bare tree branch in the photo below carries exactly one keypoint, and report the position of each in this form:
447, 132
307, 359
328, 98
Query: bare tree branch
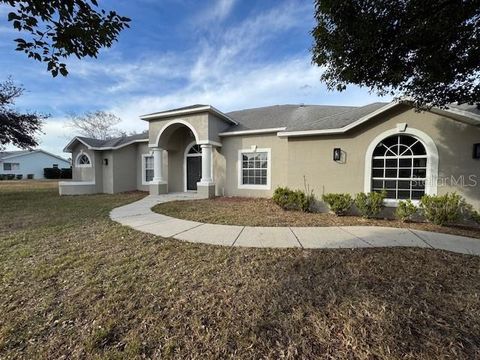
96, 125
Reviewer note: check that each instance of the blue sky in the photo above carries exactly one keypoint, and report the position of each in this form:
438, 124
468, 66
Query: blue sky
232, 54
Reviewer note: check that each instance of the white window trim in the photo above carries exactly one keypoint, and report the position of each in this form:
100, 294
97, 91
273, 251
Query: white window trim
83, 165
432, 161
254, 149
144, 177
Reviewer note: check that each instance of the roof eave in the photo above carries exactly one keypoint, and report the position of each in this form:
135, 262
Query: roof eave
252, 132
168, 114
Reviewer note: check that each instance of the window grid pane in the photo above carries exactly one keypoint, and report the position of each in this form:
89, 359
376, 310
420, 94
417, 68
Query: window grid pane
254, 168
148, 168
399, 167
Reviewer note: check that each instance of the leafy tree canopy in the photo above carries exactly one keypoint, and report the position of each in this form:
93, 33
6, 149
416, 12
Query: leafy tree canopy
56, 29
16, 128
427, 50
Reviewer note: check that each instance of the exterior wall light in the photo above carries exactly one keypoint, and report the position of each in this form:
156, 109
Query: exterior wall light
105, 162
337, 154
476, 151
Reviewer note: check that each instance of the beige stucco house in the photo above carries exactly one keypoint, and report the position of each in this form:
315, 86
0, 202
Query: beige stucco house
251, 152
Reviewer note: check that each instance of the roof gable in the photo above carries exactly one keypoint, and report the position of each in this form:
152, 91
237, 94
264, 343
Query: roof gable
8, 155
109, 144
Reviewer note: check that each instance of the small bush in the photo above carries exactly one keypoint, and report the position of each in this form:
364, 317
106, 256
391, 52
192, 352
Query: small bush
405, 210
444, 209
52, 173
19, 176
10, 176
3, 177
30, 176
340, 204
369, 205
293, 199
475, 216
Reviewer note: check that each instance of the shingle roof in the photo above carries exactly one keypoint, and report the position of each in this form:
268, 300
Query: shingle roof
299, 117
474, 109
113, 143
4, 154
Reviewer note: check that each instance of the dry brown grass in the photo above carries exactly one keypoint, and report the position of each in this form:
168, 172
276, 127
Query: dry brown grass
74, 284
264, 212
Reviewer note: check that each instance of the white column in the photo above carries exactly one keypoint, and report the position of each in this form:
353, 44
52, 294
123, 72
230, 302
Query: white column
207, 176
158, 166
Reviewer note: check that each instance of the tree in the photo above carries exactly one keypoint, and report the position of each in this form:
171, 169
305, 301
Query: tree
96, 125
427, 50
57, 29
16, 128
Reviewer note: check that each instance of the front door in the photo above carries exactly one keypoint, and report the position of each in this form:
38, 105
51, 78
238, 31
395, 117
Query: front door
194, 171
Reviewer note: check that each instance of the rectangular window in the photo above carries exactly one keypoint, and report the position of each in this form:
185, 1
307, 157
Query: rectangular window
254, 169
148, 168
11, 166
55, 166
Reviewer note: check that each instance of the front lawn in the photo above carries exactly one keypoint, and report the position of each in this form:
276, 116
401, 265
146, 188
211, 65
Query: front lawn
74, 284
264, 212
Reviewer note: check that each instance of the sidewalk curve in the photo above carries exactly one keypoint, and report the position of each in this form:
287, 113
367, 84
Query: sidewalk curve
139, 216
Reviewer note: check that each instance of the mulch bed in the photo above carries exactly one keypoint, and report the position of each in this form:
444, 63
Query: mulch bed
264, 212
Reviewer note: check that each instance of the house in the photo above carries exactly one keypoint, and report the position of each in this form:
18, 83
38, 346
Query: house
339, 149
29, 162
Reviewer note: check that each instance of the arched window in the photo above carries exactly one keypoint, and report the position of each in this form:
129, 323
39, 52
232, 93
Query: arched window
195, 150
399, 166
83, 160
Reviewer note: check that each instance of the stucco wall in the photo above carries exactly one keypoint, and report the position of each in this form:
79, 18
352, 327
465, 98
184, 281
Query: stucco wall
299, 159
199, 122
279, 162
107, 171
312, 156
83, 173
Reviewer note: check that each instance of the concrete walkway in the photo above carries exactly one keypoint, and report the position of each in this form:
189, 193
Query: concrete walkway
139, 216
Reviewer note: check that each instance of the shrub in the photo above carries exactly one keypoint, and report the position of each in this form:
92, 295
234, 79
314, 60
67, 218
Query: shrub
405, 210
3, 177
66, 173
475, 216
52, 173
293, 199
30, 176
340, 204
19, 176
444, 209
369, 205
10, 176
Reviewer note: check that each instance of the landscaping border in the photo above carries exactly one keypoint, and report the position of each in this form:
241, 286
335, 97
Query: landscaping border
139, 216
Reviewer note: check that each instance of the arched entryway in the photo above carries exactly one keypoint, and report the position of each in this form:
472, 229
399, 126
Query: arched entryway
192, 166
190, 160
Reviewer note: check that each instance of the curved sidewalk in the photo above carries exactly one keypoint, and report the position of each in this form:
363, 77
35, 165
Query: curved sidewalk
139, 216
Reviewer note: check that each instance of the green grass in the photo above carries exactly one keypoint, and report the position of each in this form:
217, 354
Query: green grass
74, 284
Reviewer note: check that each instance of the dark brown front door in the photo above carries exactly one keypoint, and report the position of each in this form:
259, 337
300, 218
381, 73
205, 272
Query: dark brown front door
194, 172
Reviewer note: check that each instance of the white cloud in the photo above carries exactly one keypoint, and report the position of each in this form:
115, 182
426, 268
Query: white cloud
292, 81
220, 10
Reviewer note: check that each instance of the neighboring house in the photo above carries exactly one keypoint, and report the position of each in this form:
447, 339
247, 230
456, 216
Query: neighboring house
26, 162
250, 152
